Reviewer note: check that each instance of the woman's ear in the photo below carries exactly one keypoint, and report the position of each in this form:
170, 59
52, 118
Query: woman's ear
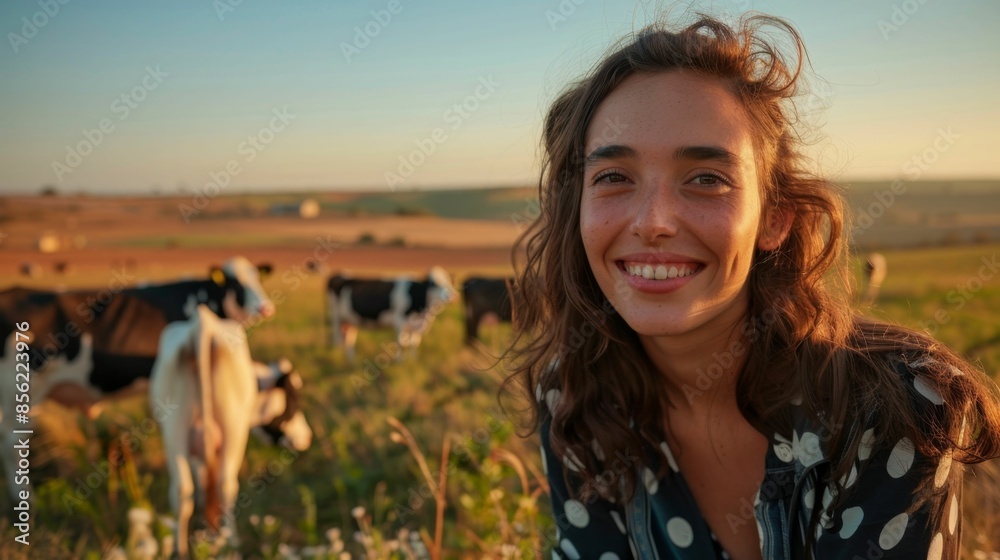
774, 230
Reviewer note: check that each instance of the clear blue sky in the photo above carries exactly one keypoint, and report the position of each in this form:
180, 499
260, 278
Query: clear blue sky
891, 91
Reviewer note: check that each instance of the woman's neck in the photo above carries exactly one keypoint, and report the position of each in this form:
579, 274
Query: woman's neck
701, 367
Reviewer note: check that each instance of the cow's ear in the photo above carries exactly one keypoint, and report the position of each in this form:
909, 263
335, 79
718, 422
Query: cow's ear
217, 276
264, 270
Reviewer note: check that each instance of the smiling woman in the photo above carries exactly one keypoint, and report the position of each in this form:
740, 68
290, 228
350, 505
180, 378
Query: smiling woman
727, 403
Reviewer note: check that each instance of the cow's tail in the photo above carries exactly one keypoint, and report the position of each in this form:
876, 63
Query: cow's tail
206, 359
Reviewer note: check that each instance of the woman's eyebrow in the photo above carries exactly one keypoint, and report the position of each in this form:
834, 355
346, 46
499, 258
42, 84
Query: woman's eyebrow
612, 151
701, 153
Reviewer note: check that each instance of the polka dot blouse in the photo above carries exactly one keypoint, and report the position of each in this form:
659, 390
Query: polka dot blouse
875, 520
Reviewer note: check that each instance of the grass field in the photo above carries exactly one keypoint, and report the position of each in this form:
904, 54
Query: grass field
494, 505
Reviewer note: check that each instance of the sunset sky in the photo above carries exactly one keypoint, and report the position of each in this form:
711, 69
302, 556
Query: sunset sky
296, 95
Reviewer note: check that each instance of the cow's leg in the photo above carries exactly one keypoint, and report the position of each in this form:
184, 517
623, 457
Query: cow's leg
336, 336
408, 337
415, 338
198, 478
181, 498
350, 334
471, 327
229, 470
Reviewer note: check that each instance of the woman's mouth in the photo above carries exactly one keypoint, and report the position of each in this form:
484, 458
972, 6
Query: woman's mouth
658, 271
658, 278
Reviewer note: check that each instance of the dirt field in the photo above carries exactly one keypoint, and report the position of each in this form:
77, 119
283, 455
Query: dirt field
148, 238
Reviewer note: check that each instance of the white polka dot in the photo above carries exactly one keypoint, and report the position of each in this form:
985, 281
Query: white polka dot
867, 441
577, 513
680, 532
829, 493
670, 456
649, 479
808, 451
555, 556
552, 398
927, 389
852, 519
893, 531
618, 521
848, 480
725, 555
784, 452
810, 499
571, 461
545, 462
944, 467
608, 556
953, 515
569, 549
901, 458
797, 400
598, 452
936, 548
538, 392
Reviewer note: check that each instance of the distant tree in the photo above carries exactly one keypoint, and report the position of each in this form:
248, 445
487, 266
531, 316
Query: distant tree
48, 190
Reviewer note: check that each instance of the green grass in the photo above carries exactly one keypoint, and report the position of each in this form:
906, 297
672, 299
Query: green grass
447, 391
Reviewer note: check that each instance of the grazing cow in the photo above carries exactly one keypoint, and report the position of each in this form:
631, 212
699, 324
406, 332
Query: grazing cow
204, 366
485, 299
278, 418
409, 306
124, 327
875, 271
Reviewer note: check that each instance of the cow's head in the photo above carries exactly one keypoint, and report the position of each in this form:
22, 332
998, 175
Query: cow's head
440, 290
279, 419
245, 300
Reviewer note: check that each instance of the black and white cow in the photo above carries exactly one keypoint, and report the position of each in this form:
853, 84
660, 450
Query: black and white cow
232, 291
278, 417
409, 306
124, 327
486, 299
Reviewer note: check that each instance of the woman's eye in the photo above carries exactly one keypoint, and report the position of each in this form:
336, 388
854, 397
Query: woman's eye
610, 177
710, 180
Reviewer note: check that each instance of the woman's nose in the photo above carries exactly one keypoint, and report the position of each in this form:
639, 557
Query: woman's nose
655, 212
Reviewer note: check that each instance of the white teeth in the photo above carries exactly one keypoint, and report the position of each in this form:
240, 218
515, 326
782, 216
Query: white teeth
659, 272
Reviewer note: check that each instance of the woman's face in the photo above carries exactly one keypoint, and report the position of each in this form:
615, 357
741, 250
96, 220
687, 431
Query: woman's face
670, 208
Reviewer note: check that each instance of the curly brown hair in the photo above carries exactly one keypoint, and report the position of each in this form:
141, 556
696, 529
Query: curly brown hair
807, 342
